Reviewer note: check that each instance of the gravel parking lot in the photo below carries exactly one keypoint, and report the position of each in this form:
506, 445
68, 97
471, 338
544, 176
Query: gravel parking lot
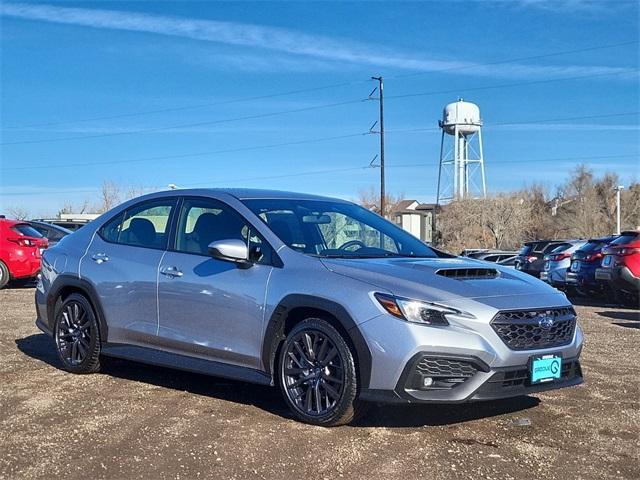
136, 421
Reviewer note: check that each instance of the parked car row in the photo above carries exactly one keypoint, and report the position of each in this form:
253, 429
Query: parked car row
594, 267
21, 248
21, 245
598, 266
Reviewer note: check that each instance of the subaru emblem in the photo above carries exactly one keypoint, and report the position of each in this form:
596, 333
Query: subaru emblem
546, 321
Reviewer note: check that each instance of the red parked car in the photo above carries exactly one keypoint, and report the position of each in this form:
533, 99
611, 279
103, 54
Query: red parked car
621, 267
21, 248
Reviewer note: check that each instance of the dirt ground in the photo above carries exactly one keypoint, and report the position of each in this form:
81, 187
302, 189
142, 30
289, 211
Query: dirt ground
136, 421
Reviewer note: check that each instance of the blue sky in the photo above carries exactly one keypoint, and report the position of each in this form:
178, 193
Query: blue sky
152, 93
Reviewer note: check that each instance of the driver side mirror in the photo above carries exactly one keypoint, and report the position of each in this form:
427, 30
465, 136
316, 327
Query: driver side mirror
232, 250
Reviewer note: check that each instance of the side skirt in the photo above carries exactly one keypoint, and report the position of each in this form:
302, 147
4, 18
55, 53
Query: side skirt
182, 362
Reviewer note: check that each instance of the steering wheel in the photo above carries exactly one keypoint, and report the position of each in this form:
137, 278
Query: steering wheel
352, 243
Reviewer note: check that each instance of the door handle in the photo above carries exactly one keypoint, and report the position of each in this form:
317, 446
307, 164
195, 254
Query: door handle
100, 258
171, 272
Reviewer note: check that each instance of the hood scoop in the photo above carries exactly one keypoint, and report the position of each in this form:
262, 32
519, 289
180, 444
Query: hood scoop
468, 273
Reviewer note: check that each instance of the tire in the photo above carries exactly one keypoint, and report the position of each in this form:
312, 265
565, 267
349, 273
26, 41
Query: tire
317, 375
4, 275
77, 335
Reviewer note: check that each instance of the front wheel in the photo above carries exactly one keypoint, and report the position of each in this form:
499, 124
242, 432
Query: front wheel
76, 335
317, 374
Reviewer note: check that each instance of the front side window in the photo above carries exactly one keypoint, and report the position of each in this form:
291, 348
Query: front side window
336, 229
203, 221
143, 225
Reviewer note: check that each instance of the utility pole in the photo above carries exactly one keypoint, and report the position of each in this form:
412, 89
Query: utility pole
618, 189
382, 185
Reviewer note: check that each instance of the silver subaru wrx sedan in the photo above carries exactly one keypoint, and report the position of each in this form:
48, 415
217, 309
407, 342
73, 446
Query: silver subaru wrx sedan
319, 296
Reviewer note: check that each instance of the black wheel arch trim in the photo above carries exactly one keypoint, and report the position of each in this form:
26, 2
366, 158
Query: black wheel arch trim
65, 281
274, 333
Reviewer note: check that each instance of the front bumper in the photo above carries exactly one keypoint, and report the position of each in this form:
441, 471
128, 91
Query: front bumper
493, 384
472, 363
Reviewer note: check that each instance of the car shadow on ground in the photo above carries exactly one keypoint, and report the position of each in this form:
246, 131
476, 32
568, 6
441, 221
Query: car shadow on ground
629, 319
21, 284
40, 347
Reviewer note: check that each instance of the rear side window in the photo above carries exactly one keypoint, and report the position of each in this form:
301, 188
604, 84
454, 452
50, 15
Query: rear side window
143, 225
591, 246
624, 239
555, 248
26, 230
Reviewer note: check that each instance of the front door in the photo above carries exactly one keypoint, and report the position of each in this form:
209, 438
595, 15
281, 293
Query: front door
212, 308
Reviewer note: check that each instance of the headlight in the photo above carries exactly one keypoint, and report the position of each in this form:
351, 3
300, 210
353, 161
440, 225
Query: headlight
416, 311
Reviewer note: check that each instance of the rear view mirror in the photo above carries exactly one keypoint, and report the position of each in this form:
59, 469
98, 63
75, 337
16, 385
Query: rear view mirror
232, 250
317, 219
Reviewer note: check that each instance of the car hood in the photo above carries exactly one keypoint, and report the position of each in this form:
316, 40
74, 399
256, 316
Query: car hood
419, 278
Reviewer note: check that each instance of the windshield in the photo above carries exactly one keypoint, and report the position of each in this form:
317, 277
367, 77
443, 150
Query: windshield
336, 230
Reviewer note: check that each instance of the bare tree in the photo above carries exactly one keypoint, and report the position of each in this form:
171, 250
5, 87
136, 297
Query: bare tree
17, 212
630, 207
109, 196
370, 198
505, 218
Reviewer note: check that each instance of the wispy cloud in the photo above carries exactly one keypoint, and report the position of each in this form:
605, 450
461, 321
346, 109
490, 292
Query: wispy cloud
300, 44
562, 6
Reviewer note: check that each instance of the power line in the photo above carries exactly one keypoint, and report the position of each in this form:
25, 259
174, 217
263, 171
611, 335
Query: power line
338, 85
520, 59
523, 122
189, 107
340, 170
510, 85
187, 155
187, 125
299, 142
298, 110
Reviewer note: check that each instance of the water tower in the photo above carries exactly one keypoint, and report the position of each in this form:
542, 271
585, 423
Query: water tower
461, 172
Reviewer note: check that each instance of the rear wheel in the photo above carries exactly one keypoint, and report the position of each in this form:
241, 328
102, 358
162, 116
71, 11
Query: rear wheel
4, 275
76, 335
318, 374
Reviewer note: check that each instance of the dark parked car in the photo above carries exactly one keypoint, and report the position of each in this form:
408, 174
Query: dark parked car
72, 225
581, 276
530, 258
53, 233
621, 267
492, 255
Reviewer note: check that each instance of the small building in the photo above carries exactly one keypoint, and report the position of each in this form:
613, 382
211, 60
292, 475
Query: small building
416, 218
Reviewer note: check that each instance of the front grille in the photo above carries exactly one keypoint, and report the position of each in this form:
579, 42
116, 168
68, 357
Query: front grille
535, 329
444, 373
468, 273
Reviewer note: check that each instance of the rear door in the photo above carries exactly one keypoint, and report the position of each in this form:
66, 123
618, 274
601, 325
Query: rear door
122, 263
208, 307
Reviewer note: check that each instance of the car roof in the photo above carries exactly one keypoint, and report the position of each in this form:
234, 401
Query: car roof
603, 239
52, 226
10, 222
249, 194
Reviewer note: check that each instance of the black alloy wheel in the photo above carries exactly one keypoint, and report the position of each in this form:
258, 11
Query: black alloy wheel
76, 335
318, 375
